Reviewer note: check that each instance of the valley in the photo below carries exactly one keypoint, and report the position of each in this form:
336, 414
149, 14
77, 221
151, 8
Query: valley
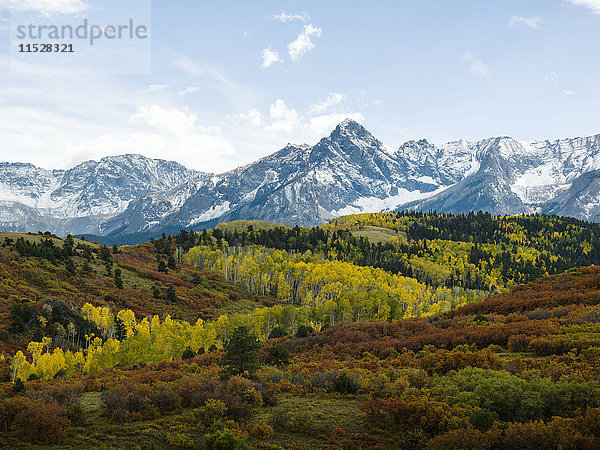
103, 345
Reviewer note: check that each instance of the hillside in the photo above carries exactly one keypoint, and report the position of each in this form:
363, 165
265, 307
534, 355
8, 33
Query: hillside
507, 372
37, 282
348, 355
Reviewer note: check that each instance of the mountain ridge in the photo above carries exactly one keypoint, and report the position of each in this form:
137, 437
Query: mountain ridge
349, 171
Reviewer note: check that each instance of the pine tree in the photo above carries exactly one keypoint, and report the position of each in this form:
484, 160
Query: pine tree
278, 355
172, 294
156, 292
162, 266
120, 329
70, 266
118, 279
242, 356
69, 246
105, 254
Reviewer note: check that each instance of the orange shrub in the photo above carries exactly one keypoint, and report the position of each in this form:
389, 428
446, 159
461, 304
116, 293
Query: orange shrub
43, 422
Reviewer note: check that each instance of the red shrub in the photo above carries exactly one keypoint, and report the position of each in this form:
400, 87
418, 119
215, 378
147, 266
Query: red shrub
43, 422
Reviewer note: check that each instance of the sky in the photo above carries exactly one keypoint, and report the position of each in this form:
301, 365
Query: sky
229, 82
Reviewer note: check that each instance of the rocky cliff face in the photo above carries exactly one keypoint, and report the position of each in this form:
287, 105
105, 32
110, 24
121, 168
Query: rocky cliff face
78, 200
349, 171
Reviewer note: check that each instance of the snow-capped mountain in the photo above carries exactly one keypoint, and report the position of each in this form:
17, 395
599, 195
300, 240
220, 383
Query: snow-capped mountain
346, 172
511, 177
350, 171
78, 200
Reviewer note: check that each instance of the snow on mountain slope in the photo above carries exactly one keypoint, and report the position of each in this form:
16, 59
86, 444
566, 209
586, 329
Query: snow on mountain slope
581, 199
557, 164
516, 176
349, 171
90, 190
25, 183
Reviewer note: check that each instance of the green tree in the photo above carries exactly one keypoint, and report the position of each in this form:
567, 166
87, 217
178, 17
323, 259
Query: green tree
118, 279
303, 331
241, 357
188, 353
108, 266
86, 267
69, 246
225, 439
70, 266
162, 267
120, 329
105, 254
171, 263
172, 294
483, 419
278, 355
277, 332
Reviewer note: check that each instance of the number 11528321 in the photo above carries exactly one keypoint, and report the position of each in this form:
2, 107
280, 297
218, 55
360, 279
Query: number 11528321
46, 48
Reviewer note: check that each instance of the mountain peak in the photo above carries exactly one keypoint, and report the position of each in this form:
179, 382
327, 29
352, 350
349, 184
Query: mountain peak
351, 131
350, 125
414, 143
346, 172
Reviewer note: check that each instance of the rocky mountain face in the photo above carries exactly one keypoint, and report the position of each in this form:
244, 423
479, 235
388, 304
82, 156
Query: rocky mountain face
346, 172
80, 199
511, 177
350, 171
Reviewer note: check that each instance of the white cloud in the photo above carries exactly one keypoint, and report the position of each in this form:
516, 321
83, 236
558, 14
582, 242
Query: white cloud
169, 120
553, 82
593, 5
269, 57
303, 43
154, 88
46, 7
108, 144
177, 134
253, 118
67, 107
201, 151
80, 116
321, 125
333, 98
476, 66
284, 119
531, 22
291, 17
189, 90
283, 123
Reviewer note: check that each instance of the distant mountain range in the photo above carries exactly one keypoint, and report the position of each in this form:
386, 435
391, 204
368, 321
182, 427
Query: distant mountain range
130, 198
